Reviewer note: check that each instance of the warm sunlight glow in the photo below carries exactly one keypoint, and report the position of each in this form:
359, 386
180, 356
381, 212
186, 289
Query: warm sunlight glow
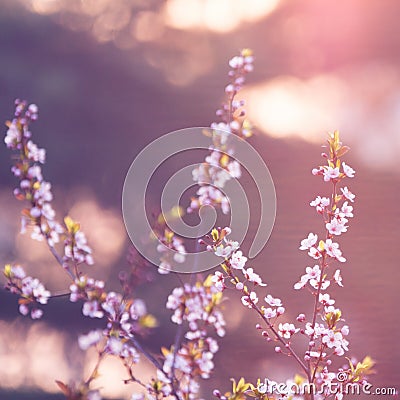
45, 6
358, 101
216, 15
104, 230
31, 354
112, 373
289, 106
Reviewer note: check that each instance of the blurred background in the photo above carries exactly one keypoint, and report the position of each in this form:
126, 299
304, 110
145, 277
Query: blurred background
110, 76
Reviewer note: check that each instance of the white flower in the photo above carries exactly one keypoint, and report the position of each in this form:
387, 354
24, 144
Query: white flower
253, 277
223, 251
336, 226
36, 313
92, 338
332, 339
346, 193
346, 210
238, 260
325, 299
137, 309
345, 330
18, 272
36, 154
13, 136
338, 278
218, 279
331, 173
213, 158
314, 253
247, 301
274, 302
179, 257
308, 242
332, 249
236, 62
234, 169
286, 330
220, 178
91, 309
320, 203
348, 171
114, 346
269, 313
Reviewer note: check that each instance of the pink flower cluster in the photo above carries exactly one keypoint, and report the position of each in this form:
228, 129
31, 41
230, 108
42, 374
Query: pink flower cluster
32, 186
37, 193
31, 291
219, 166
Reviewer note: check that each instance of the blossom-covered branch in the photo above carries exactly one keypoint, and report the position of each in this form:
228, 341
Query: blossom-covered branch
324, 328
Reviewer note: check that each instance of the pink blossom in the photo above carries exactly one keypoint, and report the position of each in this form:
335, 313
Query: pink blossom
336, 226
213, 159
317, 354
274, 302
24, 309
345, 330
301, 318
236, 62
238, 260
348, 171
223, 251
331, 173
253, 277
314, 253
313, 273
308, 242
248, 301
301, 283
318, 171
90, 339
335, 339
320, 203
13, 136
286, 330
338, 278
36, 313
332, 250
92, 309
346, 210
346, 193
234, 169
34, 153
137, 309
325, 299
269, 313
280, 310
324, 284
114, 346
219, 280
18, 272
317, 331
32, 287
